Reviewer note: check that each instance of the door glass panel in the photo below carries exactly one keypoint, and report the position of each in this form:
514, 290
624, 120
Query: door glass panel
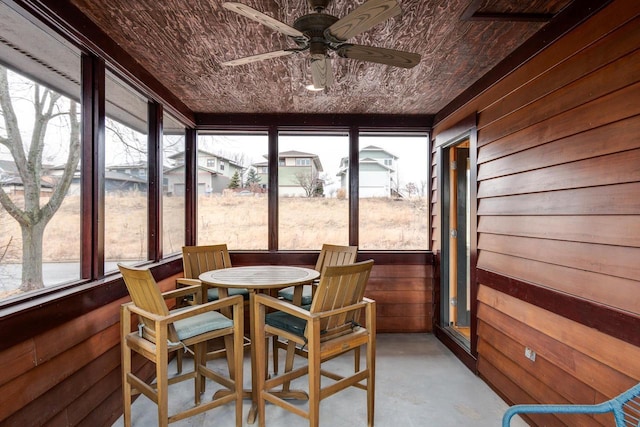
456, 304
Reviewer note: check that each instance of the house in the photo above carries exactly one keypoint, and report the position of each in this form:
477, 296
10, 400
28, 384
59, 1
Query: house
378, 173
298, 174
533, 218
214, 173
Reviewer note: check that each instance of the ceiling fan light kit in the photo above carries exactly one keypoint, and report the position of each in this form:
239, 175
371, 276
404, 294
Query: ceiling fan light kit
320, 33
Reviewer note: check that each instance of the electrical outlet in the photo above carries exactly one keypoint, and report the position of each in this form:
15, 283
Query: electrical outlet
530, 354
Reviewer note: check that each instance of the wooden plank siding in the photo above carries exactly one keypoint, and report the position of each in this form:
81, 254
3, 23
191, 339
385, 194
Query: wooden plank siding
558, 193
66, 374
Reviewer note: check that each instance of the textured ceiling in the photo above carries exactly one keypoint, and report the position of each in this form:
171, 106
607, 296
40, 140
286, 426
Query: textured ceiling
183, 42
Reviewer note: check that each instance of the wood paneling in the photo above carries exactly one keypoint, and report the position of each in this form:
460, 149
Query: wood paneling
587, 361
61, 376
559, 218
619, 137
615, 292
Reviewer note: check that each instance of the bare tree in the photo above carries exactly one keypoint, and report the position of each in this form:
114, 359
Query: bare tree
27, 155
310, 183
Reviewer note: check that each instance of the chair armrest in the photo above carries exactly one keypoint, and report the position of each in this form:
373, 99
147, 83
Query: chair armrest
181, 292
204, 308
282, 305
188, 312
555, 409
182, 281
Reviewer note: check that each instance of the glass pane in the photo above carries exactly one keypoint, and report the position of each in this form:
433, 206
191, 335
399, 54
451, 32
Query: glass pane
125, 175
232, 195
39, 158
393, 185
173, 179
313, 208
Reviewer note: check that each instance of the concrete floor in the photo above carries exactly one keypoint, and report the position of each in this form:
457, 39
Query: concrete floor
418, 383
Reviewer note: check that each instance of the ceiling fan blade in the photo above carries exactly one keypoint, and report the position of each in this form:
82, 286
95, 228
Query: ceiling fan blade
397, 58
362, 18
260, 17
259, 57
321, 73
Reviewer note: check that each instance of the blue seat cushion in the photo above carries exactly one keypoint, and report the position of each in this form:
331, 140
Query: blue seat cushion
200, 324
287, 322
307, 295
212, 293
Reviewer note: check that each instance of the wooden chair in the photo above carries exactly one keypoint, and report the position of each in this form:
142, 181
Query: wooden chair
624, 407
329, 255
302, 295
160, 332
328, 329
195, 261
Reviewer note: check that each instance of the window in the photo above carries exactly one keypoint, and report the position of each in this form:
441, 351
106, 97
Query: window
234, 210
173, 188
393, 187
312, 205
221, 166
125, 195
211, 163
43, 250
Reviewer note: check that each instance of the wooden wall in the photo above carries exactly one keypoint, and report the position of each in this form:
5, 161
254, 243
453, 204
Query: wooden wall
67, 375
559, 217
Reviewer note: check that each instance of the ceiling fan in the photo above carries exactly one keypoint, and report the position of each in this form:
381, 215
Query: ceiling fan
320, 33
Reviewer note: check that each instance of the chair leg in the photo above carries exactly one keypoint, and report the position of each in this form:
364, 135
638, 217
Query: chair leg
162, 383
126, 387
371, 384
275, 354
288, 363
229, 350
314, 392
179, 361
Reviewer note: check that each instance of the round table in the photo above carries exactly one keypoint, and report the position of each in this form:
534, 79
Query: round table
255, 279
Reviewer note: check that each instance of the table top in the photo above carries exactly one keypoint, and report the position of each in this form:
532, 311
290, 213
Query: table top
259, 277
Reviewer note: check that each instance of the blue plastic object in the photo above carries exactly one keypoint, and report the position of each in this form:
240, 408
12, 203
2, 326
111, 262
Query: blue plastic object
625, 409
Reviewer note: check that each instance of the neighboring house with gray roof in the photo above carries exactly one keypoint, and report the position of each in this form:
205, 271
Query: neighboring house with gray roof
378, 176
296, 169
214, 173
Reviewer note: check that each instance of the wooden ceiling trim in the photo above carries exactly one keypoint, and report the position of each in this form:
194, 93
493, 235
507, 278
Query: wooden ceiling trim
473, 13
66, 19
570, 17
310, 121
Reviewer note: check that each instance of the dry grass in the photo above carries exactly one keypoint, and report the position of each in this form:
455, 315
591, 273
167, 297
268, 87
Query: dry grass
241, 222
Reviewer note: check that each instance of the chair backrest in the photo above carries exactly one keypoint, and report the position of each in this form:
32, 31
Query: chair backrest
336, 255
199, 259
340, 286
145, 294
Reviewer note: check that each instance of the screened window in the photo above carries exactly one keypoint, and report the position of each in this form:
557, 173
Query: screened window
393, 191
126, 195
312, 204
39, 158
233, 206
173, 188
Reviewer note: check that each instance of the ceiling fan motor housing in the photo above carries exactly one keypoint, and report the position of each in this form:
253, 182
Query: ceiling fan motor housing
318, 5
313, 26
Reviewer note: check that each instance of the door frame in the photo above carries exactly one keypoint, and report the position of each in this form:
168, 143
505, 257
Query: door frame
466, 129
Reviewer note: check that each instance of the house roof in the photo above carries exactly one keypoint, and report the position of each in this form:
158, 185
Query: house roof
207, 154
381, 150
